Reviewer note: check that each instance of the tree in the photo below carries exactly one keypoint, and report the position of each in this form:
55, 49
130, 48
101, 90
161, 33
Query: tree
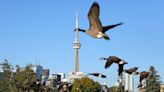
24, 80
28, 78
85, 85
5, 85
17, 79
152, 83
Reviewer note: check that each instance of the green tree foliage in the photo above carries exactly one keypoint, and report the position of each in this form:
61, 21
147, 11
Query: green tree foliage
152, 83
17, 79
5, 85
85, 85
28, 78
22, 80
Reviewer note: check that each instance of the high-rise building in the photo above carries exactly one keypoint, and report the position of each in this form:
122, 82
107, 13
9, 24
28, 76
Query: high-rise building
38, 71
45, 72
62, 76
45, 75
53, 81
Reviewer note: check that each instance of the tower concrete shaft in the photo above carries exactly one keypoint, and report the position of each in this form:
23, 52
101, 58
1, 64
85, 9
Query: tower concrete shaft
76, 47
129, 82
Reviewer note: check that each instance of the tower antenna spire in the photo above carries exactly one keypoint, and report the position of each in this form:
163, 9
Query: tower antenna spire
77, 26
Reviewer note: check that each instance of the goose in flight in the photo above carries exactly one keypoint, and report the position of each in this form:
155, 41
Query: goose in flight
131, 70
143, 75
113, 59
96, 30
98, 75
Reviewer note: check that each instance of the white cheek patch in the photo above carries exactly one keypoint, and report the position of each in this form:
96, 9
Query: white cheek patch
120, 62
100, 35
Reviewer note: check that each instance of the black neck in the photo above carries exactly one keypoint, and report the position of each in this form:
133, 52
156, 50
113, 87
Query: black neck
82, 30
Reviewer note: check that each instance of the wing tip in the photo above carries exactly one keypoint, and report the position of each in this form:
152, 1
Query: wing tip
121, 23
95, 3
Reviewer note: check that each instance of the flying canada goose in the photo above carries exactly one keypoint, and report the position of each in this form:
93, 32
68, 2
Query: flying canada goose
113, 59
98, 75
143, 75
96, 30
131, 70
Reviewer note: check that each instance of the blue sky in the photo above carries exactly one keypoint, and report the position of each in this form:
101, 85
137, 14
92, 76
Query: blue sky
31, 29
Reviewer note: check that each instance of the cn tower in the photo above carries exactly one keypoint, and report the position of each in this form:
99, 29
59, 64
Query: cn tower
76, 47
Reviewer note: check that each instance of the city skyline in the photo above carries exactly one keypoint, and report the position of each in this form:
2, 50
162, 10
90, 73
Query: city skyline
44, 30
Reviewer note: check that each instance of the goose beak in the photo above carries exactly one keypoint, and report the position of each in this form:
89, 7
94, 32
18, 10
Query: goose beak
101, 58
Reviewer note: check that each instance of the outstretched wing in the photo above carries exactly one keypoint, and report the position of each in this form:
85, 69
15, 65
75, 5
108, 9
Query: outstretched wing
93, 16
112, 59
103, 76
105, 28
94, 74
143, 75
108, 63
131, 70
98, 75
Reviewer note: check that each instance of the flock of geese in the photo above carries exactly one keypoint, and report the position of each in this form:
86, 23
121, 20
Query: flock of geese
113, 59
96, 30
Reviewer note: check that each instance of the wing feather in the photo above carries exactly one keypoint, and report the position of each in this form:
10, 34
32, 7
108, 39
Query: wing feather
93, 16
112, 59
105, 28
